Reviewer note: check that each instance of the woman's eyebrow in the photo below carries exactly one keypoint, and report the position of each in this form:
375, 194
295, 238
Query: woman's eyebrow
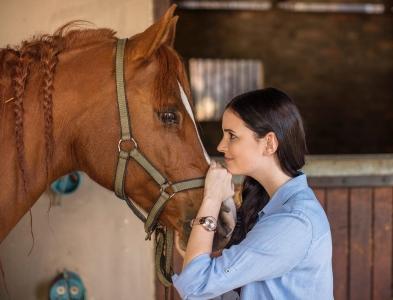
228, 130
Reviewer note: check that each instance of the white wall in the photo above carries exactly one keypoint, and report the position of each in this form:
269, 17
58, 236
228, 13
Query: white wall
20, 19
91, 231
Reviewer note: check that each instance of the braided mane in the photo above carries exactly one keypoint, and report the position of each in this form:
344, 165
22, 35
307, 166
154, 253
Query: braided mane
42, 51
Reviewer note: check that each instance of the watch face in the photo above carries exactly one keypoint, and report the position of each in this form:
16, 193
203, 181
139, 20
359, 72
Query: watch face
210, 223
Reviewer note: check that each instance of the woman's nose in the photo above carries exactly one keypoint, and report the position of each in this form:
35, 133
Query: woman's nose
221, 146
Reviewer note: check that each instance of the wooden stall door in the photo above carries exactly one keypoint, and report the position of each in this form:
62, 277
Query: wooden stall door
361, 225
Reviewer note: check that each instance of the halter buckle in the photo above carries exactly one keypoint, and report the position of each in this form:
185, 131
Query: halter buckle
129, 140
164, 186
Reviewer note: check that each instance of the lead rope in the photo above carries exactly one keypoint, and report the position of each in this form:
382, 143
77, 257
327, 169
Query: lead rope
164, 254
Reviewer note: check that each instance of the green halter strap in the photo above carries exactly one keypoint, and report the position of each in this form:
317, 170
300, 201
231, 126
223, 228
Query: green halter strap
164, 235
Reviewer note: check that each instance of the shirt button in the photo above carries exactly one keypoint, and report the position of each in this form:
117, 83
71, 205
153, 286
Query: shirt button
227, 270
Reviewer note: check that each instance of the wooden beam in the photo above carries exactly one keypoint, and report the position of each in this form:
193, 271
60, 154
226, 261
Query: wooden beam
351, 181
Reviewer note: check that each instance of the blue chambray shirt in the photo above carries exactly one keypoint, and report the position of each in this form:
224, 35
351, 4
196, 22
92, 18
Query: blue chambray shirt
287, 254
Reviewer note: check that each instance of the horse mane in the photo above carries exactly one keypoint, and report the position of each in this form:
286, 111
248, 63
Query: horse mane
42, 51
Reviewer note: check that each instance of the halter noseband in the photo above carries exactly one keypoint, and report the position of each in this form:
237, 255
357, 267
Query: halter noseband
164, 236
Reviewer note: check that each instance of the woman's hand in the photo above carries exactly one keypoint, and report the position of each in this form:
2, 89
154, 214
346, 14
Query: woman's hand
218, 187
218, 183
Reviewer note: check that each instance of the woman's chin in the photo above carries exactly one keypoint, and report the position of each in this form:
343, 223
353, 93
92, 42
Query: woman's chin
231, 169
229, 165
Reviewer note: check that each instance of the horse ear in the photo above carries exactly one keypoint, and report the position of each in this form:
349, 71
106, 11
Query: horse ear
170, 38
161, 32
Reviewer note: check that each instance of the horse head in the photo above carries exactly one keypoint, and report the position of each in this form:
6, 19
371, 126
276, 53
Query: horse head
162, 121
74, 124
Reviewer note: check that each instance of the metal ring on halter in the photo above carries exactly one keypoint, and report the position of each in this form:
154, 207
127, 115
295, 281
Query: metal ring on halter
165, 185
131, 139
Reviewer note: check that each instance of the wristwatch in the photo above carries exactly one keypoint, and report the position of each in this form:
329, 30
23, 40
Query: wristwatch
209, 223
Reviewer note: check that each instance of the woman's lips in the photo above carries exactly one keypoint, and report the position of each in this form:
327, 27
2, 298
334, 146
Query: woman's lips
228, 159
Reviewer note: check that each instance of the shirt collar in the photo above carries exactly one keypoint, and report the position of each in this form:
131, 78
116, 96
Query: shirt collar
284, 192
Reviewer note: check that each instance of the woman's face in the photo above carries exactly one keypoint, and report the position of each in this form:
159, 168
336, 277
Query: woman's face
241, 149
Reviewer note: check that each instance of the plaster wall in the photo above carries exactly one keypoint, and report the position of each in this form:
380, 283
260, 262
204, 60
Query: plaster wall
90, 232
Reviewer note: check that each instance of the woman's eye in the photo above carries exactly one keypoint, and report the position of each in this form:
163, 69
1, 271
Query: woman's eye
232, 136
169, 118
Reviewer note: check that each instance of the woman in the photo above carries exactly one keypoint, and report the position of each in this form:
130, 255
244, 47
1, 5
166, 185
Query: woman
281, 247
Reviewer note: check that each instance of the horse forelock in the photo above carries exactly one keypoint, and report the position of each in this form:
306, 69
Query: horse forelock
170, 71
15, 64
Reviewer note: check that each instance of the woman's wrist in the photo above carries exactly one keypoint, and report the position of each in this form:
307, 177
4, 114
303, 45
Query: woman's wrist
209, 207
201, 240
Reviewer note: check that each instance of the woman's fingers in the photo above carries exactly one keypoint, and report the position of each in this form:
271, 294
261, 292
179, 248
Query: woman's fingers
216, 165
218, 182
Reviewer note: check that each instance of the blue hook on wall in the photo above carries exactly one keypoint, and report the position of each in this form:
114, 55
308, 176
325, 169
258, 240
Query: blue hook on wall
66, 184
67, 286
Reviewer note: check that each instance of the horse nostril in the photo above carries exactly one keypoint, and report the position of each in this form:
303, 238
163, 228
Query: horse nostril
224, 229
227, 230
225, 208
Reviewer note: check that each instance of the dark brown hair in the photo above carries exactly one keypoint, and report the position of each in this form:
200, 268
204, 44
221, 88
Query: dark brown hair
264, 111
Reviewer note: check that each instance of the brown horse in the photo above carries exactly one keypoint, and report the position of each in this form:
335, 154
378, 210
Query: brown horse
58, 113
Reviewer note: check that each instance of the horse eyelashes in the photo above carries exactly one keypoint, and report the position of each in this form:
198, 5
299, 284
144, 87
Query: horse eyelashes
169, 118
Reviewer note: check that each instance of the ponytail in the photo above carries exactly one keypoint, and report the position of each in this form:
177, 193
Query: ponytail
254, 199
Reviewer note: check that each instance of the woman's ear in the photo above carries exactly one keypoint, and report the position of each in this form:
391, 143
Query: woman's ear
271, 143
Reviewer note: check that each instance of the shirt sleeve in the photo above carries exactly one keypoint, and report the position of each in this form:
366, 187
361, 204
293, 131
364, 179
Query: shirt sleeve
275, 245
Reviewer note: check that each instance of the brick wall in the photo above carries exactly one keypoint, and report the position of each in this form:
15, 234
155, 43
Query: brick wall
337, 67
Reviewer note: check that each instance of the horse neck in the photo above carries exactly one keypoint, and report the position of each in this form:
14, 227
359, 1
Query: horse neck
85, 105
85, 128
15, 201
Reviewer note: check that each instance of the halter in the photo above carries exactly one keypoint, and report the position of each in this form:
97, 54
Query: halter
164, 235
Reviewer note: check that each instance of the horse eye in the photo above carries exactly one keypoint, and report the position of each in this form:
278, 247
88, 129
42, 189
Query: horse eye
169, 118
